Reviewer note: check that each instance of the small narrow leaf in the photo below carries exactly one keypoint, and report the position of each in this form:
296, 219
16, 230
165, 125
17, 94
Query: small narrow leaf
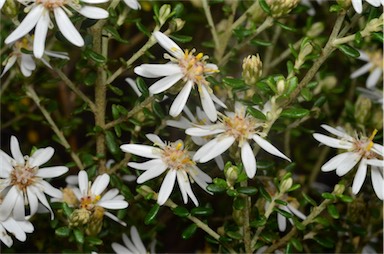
256, 113
332, 210
349, 51
151, 215
180, 211
189, 231
295, 113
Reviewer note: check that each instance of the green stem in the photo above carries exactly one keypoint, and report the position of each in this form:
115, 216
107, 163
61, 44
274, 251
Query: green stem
208, 15
63, 141
246, 226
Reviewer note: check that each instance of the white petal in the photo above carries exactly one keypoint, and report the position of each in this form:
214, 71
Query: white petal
26, 25
218, 101
119, 249
32, 200
199, 175
83, 182
348, 163
129, 244
146, 165
101, 182
164, 83
145, 72
268, 147
94, 1
377, 182
182, 123
142, 150
332, 142
113, 217
41, 156
204, 150
158, 70
50, 190
156, 140
27, 63
221, 145
16, 152
5, 167
18, 209
10, 62
362, 70
375, 3
337, 132
41, 34
296, 212
42, 199
111, 194
134, 4
57, 54
113, 204
9, 202
180, 180
281, 222
137, 240
207, 103
333, 163
363, 56
220, 162
357, 5
183, 181
376, 163
152, 173
166, 187
248, 159
181, 99
133, 85
12, 226
359, 179
379, 149
374, 77
168, 45
5, 238
92, 12
67, 28
51, 172
199, 132
24, 67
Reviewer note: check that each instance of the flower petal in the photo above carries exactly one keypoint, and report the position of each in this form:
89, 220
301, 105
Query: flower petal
181, 99
362, 70
120, 249
348, 163
155, 139
376, 163
374, 77
359, 179
133, 4
269, 147
113, 204
42, 199
142, 150
100, 183
50, 172
111, 194
9, 202
41, 34
92, 12
168, 44
248, 159
83, 182
137, 240
377, 182
19, 209
200, 132
10, 62
185, 185
13, 226
26, 25
113, 217
164, 83
50, 190
207, 103
41, 156
220, 146
333, 163
332, 142
158, 70
32, 200
67, 28
296, 212
281, 221
146, 165
337, 132
166, 187
357, 5
152, 173
16, 152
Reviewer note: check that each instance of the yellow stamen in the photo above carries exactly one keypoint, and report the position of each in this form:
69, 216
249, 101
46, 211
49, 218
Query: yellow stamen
199, 56
370, 145
178, 147
97, 198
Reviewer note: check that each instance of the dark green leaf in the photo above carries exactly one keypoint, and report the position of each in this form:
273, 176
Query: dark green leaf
142, 87
261, 43
285, 27
189, 231
297, 244
332, 210
249, 190
306, 93
143, 29
346, 199
324, 241
239, 203
358, 38
320, 101
151, 215
259, 222
232, 193
63, 231
111, 142
256, 113
234, 83
93, 240
378, 36
309, 199
327, 195
349, 51
216, 188
96, 57
67, 210
234, 235
79, 235
263, 4
181, 38
202, 211
180, 211
114, 34
282, 212
265, 194
295, 112
281, 202
116, 90
158, 110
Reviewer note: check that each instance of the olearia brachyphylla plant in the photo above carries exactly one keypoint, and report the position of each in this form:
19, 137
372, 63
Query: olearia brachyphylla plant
195, 126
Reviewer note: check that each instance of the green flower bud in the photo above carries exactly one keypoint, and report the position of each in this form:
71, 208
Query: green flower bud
345, 4
79, 217
281, 7
231, 175
338, 189
164, 12
362, 109
238, 216
10, 8
375, 25
315, 30
252, 69
377, 118
176, 24
285, 185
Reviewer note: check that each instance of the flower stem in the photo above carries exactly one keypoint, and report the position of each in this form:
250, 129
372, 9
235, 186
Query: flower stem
246, 226
208, 15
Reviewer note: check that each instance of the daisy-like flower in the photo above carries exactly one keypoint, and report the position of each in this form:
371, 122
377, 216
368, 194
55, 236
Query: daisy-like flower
358, 4
17, 228
90, 195
22, 181
374, 65
191, 121
234, 126
25, 61
361, 150
133, 4
183, 65
39, 17
176, 159
134, 245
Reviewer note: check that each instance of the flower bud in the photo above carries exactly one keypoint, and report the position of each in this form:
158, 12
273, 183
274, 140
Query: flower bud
164, 12
362, 109
231, 175
286, 184
238, 217
281, 7
96, 222
315, 30
280, 87
176, 24
79, 217
377, 118
345, 4
10, 9
338, 189
375, 25
252, 69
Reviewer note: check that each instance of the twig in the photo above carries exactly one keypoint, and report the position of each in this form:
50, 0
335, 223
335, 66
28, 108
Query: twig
208, 15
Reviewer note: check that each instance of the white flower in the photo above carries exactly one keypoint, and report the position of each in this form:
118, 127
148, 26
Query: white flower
358, 4
17, 228
133, 4
361, 150
173, 157
132, 246
202, 118
90, 195
182, 66
2, 2
22, 181
39, 17
233, 127
26, 61
375, 95
374, 65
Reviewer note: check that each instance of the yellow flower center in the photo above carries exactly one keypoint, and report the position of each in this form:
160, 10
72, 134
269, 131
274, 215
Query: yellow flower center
51, 4
23, 175
364, 146
175, 157
88, 202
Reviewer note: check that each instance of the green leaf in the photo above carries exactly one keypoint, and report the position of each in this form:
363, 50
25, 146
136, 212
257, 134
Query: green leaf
297, 244
232, 193
263, 4
220, 181
358, 38
261, 43
306, 93
295, 113
151, 215
344, 198
181, 38
202, 211
294, 187
180, 211
320, 101
63, 231
259, 222
282, 212
378, 36
79, 236
281, 202
234, 235
189, 231
234, 83
285, 27
111, 142
324, 241
67, 210
143, 29
349, 51
216, 188
332, 210
256, 113
239, 203
116, 90
249, 190
327, 195
96, 57
309, 199
322, 220
142, 87
335, 8
115, 34
158, 110
265, 194
92, 240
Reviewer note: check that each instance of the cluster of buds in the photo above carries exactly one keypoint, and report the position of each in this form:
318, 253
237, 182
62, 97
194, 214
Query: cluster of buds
362, 109
252, 69
281, 7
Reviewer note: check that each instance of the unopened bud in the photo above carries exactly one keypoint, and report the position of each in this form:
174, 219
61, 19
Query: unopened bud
252, 69
10, 9
362, 109
79, 217
338, 189
377, 118
164, 12
231, 175
305, 49
345, 4
176, 24
375, 25
286, 184
315, 30
96, 222
281, 87
281, 7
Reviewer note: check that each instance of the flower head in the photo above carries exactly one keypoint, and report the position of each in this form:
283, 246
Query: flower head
22, 181
133, 245
374, 65
174, 157
15, 227
234, 126
186, 66
39, 17
358, 149
358, 4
